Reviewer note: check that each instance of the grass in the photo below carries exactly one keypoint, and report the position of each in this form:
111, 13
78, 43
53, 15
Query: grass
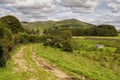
105, 37
86, 60
82, 62
37, 70
6, 73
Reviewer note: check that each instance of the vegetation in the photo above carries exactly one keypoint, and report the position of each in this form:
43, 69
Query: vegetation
117, 50
87, 60
5, 43
77, 56
59, 38
14, 71
12, 23
101, 30
70, 23
76, 27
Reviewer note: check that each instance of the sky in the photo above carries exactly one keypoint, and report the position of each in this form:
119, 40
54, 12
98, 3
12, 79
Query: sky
91, 11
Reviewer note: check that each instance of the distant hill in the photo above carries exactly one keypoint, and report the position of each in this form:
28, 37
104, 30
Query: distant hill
63, 23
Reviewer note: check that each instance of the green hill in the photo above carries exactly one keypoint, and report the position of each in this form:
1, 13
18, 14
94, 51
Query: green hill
74, 23
63, 23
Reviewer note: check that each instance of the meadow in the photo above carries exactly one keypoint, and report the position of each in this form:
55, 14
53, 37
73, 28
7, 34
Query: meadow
86, 60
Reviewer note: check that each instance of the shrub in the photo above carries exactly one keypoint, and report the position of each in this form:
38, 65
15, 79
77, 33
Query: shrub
5, 43
67, 46
24, 37
59, 38
36, 39
117, 50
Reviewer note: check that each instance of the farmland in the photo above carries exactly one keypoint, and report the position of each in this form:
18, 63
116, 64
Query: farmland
86, 62
54, 52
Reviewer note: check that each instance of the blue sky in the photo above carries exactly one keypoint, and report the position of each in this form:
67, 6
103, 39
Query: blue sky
92, 11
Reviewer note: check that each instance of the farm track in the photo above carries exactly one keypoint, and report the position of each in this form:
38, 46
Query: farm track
38, 62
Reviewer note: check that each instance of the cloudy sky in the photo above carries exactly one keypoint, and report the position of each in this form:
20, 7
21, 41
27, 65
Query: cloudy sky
92, 11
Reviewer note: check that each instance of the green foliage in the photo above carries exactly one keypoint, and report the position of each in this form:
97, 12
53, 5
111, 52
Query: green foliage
67, 46
59, 38
9, 27
117, 50
105, 30
95, 65
24, 37
36, 38
12, 23
5, 43
101, 30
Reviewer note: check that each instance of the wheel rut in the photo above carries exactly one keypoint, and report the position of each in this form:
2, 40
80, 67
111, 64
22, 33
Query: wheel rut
45, 65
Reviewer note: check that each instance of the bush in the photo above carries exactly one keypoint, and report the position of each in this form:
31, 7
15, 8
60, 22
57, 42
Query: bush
37, 38
24, 37
117, 50
5, 43
67, 46
59, 38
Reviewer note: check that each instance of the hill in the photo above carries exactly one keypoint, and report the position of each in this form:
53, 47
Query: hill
63, 23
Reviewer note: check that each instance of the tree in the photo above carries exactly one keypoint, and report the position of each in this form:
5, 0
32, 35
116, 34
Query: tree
107, 30
12, 23
60, 38
5, 43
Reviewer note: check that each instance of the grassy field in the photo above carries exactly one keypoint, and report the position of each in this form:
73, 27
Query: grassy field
86, 61
83, 37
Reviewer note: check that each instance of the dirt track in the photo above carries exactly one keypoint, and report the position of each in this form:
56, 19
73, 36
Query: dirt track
42, 63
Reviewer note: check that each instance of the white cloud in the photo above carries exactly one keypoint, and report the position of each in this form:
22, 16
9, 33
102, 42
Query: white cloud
80, 6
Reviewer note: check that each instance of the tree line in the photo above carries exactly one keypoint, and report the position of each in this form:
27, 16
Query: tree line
100, 30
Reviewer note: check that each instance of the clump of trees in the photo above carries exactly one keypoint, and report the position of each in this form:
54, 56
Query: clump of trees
12, 23
60, 38
5, 43
101, 30
10, 29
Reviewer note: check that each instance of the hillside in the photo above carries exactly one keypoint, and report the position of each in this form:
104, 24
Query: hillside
63, 23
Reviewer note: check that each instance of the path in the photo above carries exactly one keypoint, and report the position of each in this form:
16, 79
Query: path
19, 60
24, 65
44, 64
